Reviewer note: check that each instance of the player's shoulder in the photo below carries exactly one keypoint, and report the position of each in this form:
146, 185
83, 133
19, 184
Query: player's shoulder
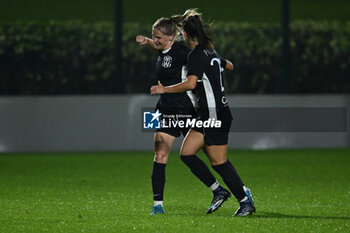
180, 45
197, 54
191, 56
196, 51
216, 54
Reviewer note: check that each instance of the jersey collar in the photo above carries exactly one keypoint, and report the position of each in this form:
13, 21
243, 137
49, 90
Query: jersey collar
167, 50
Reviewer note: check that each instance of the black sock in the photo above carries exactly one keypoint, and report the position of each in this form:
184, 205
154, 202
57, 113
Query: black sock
199, 169
230, 178
240, 180
158, 181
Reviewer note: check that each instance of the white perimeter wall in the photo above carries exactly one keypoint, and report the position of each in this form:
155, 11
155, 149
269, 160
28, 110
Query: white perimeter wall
109, 123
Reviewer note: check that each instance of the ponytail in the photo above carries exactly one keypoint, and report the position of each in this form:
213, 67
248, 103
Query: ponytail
195, 28
191, 22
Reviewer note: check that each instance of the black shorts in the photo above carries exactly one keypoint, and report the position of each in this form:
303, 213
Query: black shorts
217, 136
176, 132
182, 116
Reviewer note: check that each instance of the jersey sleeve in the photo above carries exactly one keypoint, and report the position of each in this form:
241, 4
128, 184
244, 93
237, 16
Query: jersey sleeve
223, 62
194, 66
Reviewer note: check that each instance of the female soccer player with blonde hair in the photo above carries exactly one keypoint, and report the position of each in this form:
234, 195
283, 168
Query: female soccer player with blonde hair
205, 76
170, 70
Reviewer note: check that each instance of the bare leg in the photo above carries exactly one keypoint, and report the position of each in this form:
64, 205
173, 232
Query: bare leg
162, 145
193, 142
216, 154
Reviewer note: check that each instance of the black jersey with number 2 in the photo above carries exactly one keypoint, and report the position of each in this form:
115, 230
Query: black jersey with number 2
208, 66
171, 68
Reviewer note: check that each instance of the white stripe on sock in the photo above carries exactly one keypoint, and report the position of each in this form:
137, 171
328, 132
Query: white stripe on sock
214, 186
158, 203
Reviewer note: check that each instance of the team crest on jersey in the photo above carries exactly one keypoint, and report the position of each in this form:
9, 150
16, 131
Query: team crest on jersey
167, 60
224, 100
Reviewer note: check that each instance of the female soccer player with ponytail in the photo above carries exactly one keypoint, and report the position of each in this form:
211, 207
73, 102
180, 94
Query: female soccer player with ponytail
171, 69
205, 68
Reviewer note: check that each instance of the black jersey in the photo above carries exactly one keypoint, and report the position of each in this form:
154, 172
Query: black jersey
208, 66
171, 69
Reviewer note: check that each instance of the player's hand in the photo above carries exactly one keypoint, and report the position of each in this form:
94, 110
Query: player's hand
157, 89
142, 40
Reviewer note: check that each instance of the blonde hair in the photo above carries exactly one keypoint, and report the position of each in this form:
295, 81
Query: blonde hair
170, 26
173, 25
191, 12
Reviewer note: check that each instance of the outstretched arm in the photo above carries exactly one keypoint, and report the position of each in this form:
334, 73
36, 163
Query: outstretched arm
190, 84
142, 40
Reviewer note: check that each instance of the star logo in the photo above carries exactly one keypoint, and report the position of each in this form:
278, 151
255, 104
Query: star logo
151, 120
155, 115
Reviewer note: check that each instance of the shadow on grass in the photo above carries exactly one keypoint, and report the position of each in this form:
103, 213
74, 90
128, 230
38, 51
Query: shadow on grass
258, 215
279, 215
200, 212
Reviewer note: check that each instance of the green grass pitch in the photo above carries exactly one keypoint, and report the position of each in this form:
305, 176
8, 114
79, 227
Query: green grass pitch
294, 191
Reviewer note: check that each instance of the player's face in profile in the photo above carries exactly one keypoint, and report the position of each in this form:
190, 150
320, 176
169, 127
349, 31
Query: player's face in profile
161, 41
185, 36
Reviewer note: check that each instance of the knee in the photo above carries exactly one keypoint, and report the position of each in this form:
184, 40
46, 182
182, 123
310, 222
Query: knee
188, 151
217, 161
161, 157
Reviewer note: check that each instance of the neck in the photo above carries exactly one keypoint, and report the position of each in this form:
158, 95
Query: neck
169, 46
